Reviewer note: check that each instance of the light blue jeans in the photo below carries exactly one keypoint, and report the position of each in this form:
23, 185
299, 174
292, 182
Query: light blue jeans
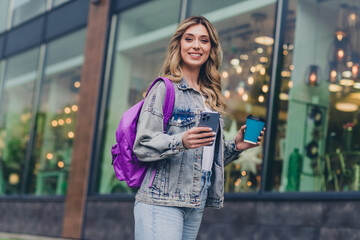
153, 222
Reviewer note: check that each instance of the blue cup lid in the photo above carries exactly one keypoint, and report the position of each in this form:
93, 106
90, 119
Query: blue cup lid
255, 118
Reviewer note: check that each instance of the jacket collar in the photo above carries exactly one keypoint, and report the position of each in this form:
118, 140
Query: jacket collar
183, 85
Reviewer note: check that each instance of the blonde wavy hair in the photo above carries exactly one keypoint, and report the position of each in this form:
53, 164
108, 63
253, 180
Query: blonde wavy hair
209, 76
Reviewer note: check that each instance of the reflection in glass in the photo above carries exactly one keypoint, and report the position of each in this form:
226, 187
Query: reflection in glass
56, 116
245, 71
4, 11
143, 36
247, 42
317, 144
16, 106
23, 10
56, 3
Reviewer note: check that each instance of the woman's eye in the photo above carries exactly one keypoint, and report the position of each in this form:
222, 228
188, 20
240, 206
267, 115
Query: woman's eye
205, 41
188, 39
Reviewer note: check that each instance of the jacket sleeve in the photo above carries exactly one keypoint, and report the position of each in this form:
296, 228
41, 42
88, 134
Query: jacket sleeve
230, 151
151, 143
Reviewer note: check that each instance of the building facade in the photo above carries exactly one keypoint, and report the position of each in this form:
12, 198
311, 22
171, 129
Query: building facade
70, 68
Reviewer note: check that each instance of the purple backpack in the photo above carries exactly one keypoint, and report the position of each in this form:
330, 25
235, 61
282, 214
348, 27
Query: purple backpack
126, 165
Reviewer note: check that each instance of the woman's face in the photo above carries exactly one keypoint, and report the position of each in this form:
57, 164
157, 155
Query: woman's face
195, 46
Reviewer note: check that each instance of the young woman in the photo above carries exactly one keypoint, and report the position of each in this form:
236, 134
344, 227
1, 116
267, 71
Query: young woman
189, 173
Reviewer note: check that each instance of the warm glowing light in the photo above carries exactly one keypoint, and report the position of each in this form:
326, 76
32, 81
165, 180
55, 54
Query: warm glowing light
250, 80
262, 71
335, 88
77, 84
14, 178
241, 91
291, 67
261, 98
235, 61
249, 184
264, 40
238, 181
60, 164
341, 53
68, 120
61, 122
260, 50
71, 134
313, 78
355, 69
227, 94
349, 64
245, 97
67, 110
243, 173
346, 107
333, 75
356, 85
265, 88
49, 156
285, 73
253, 69
225, 74
238, 70
74, 108
54, 123
340, 35
346, 74
352, 18
244, 57
290, 84
346, 82
285, 52
283, 96
264, 59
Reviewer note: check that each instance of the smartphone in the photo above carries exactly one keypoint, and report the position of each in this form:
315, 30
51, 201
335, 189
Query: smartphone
210, 119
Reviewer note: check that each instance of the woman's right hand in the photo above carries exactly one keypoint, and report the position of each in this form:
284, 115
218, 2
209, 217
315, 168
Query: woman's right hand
198, 137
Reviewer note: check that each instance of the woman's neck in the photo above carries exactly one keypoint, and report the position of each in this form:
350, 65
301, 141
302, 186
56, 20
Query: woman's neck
191, 76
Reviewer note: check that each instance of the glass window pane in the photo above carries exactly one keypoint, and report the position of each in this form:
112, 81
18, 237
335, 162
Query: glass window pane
151, 16
201, 7
56, 3
16, 106
56, 117
244, 71
318, 148
143, 36
24, 10
247, 40
4, 11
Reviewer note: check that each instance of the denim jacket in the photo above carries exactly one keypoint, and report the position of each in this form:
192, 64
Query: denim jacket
174, 175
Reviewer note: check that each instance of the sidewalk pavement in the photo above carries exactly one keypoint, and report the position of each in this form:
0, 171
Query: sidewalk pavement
16, 236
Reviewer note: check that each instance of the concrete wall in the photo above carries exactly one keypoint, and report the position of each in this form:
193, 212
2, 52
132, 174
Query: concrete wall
32, 217
258, 220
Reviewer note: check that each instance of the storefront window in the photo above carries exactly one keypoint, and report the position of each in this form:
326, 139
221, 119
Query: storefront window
23, 10
246, 32
16, 107
143, 36
318, 148
56, 116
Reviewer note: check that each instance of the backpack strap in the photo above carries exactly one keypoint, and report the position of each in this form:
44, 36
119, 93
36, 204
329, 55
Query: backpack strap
169, 99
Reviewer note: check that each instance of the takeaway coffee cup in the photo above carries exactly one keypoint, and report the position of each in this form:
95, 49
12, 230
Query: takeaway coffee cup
254, 126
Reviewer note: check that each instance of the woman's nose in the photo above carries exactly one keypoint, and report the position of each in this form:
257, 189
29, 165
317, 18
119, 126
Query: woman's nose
196, 44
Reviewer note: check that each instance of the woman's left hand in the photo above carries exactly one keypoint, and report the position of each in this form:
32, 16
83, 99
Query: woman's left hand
239, 139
